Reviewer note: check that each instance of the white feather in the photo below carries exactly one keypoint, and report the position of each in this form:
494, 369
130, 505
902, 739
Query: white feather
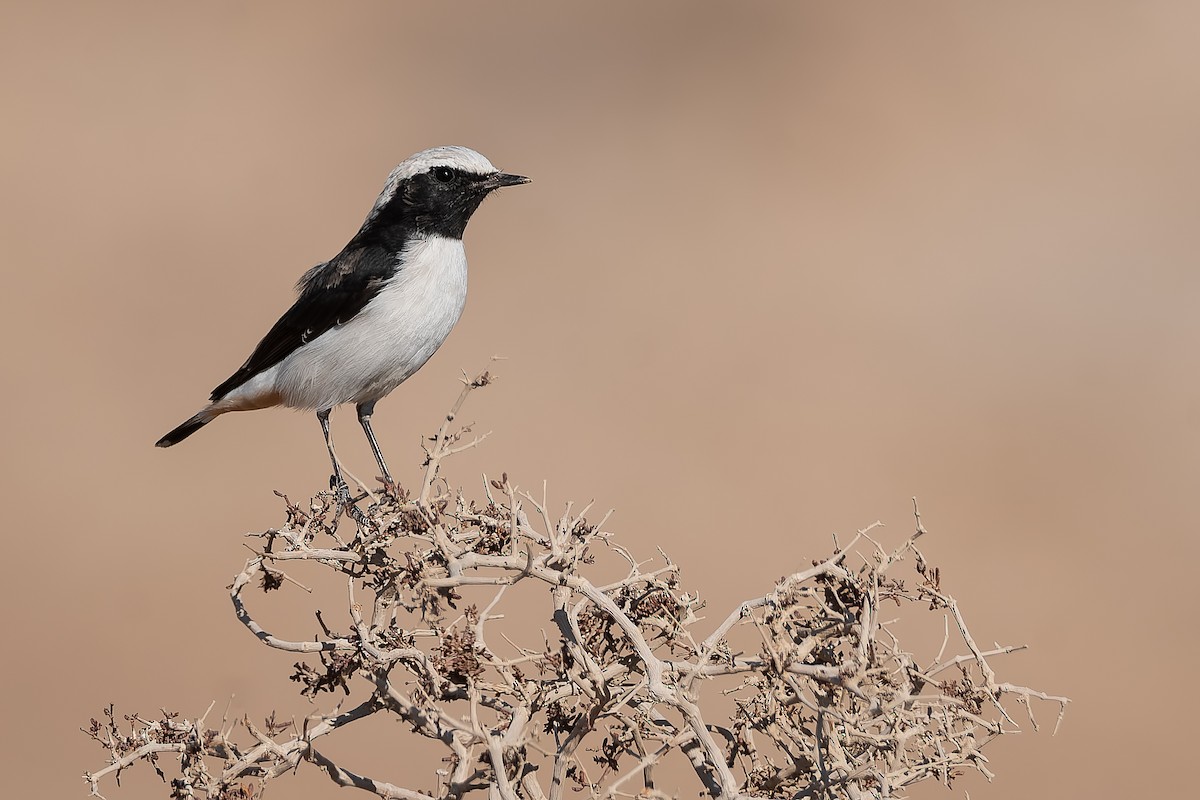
371, 354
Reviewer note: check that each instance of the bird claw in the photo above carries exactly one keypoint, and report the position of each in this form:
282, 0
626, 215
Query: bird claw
345, 500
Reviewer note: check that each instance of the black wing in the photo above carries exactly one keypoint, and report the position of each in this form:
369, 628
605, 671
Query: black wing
330, 294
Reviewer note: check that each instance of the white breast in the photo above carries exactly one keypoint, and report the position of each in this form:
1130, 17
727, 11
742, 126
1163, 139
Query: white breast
390, 339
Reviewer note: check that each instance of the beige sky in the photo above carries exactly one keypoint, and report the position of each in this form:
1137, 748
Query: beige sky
781, 269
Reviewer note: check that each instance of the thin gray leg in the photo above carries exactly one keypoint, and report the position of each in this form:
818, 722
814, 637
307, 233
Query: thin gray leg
365, 410
323, 417
336, 481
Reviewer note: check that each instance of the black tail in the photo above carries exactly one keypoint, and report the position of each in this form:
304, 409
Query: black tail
185, 430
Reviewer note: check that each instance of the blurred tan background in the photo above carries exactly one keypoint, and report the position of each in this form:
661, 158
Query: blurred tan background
782, 267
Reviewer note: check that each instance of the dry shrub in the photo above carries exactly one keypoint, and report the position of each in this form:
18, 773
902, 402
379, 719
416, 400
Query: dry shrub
827, 703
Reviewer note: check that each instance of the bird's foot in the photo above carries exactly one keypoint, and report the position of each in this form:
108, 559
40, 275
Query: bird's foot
346, 500
339, 487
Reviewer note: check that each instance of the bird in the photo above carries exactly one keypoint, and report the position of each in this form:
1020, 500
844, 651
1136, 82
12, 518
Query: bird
367, 319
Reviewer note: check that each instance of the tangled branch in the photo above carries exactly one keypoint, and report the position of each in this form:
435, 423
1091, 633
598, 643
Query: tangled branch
823, 699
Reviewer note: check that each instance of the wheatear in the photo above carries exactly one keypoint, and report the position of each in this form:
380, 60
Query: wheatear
372, 315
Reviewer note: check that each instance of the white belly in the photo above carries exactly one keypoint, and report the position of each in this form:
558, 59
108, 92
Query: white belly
390, 339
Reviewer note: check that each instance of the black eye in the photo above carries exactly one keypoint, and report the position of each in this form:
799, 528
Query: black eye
443, 174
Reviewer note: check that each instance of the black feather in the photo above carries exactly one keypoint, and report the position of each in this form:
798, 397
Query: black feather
330, 294
183, 431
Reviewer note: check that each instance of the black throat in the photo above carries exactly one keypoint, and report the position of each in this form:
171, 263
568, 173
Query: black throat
424, 205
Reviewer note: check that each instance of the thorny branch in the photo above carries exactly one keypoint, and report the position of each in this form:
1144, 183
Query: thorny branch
827, 703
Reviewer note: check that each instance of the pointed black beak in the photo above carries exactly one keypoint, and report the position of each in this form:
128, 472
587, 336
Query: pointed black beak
499, 180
